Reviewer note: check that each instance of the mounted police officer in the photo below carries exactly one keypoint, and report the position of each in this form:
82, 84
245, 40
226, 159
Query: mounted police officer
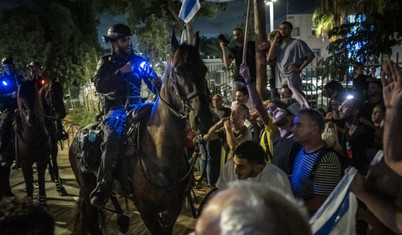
9, 82
118, 78
34, 74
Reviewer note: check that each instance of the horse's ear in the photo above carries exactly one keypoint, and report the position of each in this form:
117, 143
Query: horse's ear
197, 40
174, 44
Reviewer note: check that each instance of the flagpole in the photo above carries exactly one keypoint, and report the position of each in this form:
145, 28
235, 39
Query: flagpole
245, 33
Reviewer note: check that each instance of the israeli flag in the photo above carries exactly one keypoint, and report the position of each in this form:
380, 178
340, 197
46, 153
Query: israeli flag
219, 0
188, 9
337, 214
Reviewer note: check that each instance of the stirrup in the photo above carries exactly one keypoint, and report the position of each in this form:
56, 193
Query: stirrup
99, 196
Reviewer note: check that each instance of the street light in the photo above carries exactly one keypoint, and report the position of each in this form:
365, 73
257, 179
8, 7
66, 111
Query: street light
271, 13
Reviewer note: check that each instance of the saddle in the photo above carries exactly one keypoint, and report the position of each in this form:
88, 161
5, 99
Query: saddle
91, 137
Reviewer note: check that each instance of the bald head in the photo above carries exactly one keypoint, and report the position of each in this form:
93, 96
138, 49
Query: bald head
250, 208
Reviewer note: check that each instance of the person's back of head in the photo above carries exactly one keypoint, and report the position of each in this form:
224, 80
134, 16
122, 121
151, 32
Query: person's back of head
250, 208
22, 217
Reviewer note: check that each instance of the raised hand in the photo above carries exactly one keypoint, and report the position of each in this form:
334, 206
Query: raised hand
391, 78
244, 72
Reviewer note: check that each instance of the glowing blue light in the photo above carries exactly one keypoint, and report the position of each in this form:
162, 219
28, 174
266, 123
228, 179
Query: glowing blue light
142, 65
5, 83
350, 97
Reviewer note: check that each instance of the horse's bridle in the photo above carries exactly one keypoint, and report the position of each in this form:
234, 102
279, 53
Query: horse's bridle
184, 99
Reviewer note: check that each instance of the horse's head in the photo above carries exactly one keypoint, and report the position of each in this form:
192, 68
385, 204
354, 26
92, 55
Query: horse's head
185, 81
53, 99
29, 106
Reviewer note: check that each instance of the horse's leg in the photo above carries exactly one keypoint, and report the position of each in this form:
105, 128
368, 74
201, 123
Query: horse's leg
41, 180
59, 185
51, 170
122, 220
27, 172
5, 189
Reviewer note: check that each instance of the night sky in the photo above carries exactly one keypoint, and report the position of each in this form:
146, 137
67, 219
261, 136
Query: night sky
235, 15
223, 23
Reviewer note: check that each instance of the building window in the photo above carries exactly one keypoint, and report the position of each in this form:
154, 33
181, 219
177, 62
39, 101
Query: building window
317, 52
296, 32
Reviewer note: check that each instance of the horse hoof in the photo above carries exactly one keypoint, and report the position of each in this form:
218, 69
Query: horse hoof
62, 191
122, 223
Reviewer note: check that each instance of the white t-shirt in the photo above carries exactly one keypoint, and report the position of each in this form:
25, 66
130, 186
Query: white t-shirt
270, 175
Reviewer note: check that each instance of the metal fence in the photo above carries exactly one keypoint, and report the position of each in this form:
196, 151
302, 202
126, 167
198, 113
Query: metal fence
220, 82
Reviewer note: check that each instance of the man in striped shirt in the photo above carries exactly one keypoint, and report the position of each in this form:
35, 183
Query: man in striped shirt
316, 170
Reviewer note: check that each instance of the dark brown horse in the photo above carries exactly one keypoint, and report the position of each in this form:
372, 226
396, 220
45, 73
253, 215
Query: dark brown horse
53, 106
33, 142
158, 170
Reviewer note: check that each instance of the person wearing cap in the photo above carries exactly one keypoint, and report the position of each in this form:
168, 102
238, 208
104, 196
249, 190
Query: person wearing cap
281, 115
118, 78
317, 169
9, 82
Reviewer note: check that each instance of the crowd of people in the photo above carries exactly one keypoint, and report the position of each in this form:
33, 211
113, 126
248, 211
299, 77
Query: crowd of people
303, 153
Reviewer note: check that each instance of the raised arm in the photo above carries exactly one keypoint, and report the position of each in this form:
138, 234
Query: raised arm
226, 60
383, 209
272, 49
211, 135
391, 78
298, 96
253, 94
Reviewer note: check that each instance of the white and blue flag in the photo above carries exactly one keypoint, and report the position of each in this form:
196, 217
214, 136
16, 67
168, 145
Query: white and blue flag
188, 9
337, 213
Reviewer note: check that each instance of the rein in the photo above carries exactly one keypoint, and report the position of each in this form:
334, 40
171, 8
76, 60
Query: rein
184, 99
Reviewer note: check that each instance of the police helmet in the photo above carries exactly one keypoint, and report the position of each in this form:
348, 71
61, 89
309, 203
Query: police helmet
7, 61
34, 64
116, 31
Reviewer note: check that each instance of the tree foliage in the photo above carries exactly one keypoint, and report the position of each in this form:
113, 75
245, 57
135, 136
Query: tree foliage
61, 36
380, 29
151, 21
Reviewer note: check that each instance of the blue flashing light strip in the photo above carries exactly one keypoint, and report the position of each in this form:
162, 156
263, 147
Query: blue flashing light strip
5, 83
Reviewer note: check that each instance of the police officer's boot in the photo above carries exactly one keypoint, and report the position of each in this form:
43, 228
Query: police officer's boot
103, 190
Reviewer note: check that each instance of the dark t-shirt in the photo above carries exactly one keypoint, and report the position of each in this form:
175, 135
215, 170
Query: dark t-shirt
236, 53
361, 86
285, 151
357, 145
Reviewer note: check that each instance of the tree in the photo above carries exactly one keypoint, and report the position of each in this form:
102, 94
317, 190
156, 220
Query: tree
358, 30
61, 36
151, 20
